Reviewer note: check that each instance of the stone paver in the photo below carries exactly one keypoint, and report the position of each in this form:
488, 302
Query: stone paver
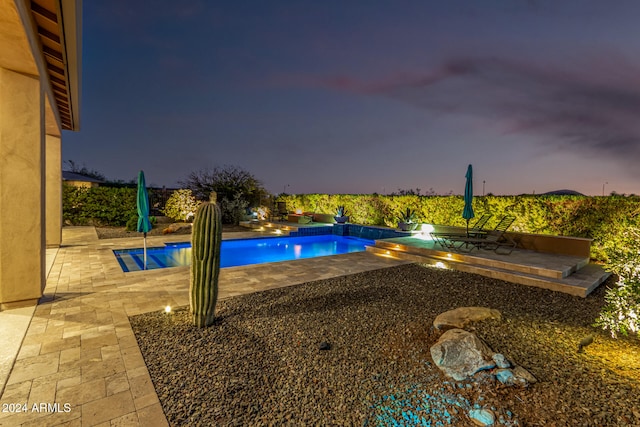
79, 363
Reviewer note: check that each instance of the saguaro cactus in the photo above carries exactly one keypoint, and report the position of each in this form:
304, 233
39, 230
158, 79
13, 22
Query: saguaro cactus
205, 262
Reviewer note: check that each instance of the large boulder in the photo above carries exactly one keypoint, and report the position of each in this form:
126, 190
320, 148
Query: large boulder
460, 354
462, 316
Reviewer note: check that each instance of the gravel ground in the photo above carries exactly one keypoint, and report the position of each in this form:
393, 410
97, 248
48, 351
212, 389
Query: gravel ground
261, 364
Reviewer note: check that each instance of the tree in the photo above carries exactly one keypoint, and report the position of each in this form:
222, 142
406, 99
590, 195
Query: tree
237, 189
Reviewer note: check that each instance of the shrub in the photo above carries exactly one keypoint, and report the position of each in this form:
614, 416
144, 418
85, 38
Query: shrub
233, 211
602, 219
132, 224
622, 309
262, 212
181, 206
98, 206
408, 216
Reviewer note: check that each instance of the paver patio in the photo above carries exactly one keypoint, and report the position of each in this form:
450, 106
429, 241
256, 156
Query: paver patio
79, 363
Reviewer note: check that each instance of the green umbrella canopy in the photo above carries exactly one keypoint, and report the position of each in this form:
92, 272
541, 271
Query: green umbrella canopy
144, 225
467, 212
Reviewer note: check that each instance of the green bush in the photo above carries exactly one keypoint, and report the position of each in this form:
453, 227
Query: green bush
233, 211
98, 206
132, 224
603, 219
181, 206
622, 310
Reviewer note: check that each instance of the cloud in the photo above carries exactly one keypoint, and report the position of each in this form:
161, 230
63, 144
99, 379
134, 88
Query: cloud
593, 110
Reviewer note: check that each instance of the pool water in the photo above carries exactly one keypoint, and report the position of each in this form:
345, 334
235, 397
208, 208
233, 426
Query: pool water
244, 251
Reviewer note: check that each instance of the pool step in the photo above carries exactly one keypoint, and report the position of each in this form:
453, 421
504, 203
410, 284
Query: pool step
579, 279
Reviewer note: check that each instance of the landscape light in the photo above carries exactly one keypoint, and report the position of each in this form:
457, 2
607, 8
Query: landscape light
427, 229
440, 264
425, 232
167, 309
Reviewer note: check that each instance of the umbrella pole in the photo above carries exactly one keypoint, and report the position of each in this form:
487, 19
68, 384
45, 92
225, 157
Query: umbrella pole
467, 228
145, 250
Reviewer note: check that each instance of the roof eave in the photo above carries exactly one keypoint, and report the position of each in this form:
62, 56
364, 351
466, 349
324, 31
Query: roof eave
69, 14
71, 33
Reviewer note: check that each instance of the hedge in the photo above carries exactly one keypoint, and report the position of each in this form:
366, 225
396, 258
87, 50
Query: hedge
602, 219
98, 205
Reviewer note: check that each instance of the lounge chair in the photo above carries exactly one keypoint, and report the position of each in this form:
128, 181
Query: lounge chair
477, 230
492, 240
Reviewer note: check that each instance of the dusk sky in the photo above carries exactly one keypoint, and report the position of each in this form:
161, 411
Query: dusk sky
364, 96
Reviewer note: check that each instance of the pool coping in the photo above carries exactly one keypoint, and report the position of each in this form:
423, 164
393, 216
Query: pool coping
122, 262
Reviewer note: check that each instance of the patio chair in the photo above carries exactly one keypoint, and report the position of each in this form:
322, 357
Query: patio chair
492, 240
477, 230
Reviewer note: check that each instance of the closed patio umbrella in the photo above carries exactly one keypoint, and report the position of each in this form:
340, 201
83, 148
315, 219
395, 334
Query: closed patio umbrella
144, 225
467, 212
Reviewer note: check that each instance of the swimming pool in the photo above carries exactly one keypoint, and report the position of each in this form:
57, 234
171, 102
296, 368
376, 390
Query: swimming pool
244, 251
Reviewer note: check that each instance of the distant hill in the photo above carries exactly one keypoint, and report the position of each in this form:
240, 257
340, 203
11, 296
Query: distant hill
562, 193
